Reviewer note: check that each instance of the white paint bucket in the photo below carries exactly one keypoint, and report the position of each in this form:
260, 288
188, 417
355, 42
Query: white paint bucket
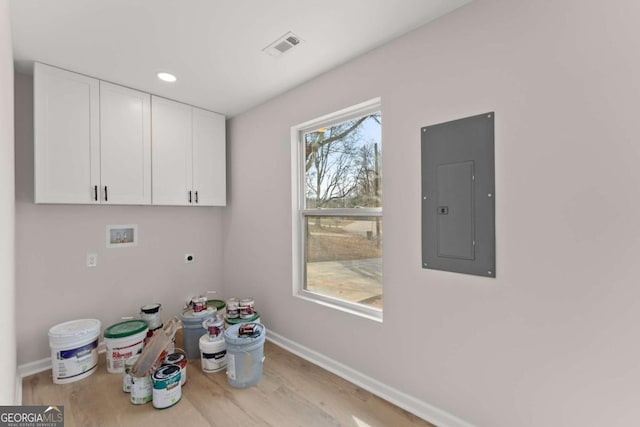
213, 353
74, 349
123, 340
167, 389
179, 357
245, 355
141, 390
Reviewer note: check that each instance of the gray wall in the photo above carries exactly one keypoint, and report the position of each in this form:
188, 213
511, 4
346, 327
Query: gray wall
7, 210
52, 241
553, 339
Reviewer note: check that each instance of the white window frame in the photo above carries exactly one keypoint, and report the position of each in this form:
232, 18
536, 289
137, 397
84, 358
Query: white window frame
299, 213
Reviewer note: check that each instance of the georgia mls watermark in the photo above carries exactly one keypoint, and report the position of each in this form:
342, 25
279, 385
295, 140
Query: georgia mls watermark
31, 416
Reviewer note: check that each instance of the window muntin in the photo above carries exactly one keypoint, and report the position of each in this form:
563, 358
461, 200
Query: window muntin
340, 210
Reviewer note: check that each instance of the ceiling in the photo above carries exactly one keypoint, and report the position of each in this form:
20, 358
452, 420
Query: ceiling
214, 47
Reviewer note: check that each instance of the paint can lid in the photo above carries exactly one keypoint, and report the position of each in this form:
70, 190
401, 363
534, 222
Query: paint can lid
125, 329
75, 328
166, 371
217, 303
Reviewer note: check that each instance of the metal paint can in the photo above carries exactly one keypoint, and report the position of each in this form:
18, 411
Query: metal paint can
167, 389
214, 327
126, 377
199, 304
141, 390
246, 308
233, 308
151, 314
179, 358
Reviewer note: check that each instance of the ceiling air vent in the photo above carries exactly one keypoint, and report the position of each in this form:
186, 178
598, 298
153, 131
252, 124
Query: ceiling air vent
282, 45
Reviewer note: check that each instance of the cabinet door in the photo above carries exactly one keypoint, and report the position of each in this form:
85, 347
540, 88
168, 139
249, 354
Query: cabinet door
209, 162
125, 145
66, 136
171, 156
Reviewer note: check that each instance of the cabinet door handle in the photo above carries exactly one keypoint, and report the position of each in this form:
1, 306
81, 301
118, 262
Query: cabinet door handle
106, 198
196, 196
95, 193
189, 196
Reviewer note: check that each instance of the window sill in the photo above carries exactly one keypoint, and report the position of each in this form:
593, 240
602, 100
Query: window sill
340, 305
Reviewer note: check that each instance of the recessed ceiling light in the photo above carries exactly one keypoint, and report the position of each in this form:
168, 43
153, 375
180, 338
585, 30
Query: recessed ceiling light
166, 77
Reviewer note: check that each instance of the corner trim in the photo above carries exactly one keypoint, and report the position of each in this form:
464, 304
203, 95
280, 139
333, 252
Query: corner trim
409, 403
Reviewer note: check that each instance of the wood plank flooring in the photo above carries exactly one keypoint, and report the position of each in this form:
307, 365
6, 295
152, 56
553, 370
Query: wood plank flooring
291, 392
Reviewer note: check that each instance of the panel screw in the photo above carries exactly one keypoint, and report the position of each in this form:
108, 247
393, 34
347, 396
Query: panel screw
489, 116
489, 195
424, 129
424, 197
489, 272
425, 264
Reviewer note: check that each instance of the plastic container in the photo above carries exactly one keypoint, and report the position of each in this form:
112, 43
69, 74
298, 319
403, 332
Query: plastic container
167, 389
233, 308
74, 349
213, 353
122, 341
193, 329
230, 322
245, 355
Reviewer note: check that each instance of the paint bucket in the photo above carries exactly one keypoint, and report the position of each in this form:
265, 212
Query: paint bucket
213, 353
246, 308
245, 355
253, 319
167, 389
179, 357
193, 330
126, 377
214, 327
151, 314
123, 340
141, 390
74, 349
233, 308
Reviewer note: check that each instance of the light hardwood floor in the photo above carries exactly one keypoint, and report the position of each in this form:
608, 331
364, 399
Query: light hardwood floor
291, 392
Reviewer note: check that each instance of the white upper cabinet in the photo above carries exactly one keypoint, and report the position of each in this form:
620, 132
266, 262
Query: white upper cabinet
100, 143
125, 145
92, 140
188, 155
66, 135
209, 158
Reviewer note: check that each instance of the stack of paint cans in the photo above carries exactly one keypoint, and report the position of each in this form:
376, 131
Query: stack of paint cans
241, 311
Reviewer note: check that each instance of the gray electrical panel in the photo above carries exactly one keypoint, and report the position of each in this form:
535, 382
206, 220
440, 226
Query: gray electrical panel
458, 196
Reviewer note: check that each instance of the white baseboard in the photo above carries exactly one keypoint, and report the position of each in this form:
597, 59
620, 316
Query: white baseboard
36, 367
409, 403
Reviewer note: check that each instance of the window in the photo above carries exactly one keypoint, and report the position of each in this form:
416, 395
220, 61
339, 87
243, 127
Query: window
337, 227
